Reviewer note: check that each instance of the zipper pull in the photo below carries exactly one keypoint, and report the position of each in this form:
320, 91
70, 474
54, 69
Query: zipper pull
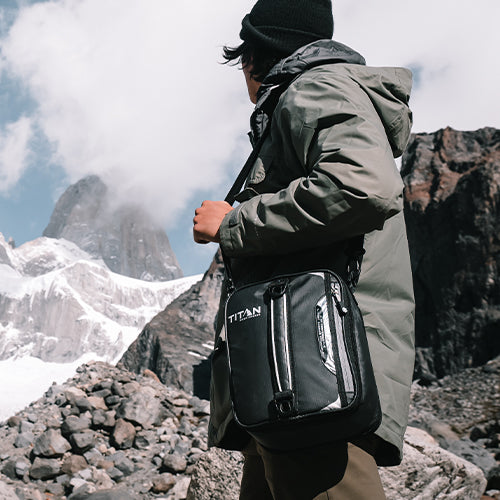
340, 308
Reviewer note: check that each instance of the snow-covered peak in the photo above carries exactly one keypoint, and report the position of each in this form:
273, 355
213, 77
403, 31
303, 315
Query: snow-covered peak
57, 303
44, 255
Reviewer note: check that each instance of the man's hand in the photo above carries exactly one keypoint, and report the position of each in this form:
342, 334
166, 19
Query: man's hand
208, 219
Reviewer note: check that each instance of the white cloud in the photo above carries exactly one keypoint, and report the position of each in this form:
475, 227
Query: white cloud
453, 42
14, 152
132, 90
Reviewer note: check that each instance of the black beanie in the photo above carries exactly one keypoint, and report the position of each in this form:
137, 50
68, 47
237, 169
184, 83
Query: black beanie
286, 25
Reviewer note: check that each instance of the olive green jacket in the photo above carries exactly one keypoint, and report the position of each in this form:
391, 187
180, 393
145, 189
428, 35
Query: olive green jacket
326, 173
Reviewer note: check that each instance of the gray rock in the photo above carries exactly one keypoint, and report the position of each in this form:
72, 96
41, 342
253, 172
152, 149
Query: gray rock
123, 464
51, 444
112, 400
430, 472
216, 476
174, 463
115, 474
102, 393
179, 491
143, 407
45, 468
93, 456
74, 424
22, 467
32, 417
98, 418
55, 489
117, 389
97, 403
9, 469
200, 407
25, 426
163, 483
103, 419
73, 464
72, 394
82, 441
115, 494
103, 384
24, 440
470, 451
83, 404
81, 491
123, 434
7, 493
144, 439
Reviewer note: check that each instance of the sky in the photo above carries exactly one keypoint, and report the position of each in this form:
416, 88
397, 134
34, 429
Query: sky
133, 91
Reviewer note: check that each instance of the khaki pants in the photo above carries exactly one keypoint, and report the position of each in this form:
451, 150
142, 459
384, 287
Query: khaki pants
340, 471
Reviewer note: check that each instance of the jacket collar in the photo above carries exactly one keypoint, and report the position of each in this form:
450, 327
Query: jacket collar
285, 71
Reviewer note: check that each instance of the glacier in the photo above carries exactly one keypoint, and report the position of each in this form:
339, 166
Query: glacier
60, 305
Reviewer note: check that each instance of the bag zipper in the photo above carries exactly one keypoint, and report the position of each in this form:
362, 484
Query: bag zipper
339, 313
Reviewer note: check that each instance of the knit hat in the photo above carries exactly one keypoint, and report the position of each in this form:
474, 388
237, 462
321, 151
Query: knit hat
286, 25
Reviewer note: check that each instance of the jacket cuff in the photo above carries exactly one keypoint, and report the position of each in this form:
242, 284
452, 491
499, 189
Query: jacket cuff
227, 231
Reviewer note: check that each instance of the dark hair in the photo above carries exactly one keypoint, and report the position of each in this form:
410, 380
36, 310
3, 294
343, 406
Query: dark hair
262, 59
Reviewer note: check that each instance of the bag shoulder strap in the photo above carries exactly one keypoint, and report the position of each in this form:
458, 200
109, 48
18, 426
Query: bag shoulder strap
240, 180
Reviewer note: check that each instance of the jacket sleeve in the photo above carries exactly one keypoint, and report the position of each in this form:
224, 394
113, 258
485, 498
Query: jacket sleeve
350, 184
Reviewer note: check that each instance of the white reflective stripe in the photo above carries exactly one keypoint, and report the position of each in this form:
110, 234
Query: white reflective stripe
287, 349
273, 345
341, 342
330, 360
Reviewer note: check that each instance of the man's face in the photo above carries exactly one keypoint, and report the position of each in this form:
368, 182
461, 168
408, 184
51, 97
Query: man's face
252, 84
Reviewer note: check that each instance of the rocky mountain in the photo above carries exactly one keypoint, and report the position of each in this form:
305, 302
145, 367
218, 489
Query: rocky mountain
452, 208
57, 302
109, 434
106, 431
176, 343
124, 236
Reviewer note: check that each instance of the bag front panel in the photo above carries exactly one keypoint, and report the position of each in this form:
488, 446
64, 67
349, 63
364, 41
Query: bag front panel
288, 355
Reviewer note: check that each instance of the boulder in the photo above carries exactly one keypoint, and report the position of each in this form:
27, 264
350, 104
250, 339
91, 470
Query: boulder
452, 211
45, 468
216, 476
142, 407
163, 483
51, 444
430, 472
123, 434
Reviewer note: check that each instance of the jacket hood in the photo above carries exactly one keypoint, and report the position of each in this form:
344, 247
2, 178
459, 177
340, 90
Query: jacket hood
388, 88
311, 55
389, 91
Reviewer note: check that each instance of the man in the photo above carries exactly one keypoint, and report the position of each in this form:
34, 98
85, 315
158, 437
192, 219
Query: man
325, 173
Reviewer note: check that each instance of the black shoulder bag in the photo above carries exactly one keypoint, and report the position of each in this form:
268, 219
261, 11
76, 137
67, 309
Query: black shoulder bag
299, 365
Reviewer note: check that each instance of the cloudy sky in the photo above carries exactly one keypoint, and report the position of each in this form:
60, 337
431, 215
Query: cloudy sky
132, 90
